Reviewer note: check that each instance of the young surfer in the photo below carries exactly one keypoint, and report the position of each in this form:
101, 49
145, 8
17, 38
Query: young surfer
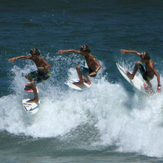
37, 76
93, 65
149, 71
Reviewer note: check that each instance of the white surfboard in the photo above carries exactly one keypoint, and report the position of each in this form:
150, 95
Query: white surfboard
79, 88
31, 108
136, 82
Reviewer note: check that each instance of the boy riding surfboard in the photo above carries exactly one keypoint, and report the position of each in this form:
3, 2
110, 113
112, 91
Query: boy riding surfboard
147, 73
93, 65
37, 76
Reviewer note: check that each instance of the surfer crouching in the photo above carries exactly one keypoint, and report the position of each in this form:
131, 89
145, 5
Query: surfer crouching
149, 71
37, 76
93, 65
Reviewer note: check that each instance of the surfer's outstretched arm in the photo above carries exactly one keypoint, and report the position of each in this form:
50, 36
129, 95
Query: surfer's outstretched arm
69, 50
124, 51
19, 57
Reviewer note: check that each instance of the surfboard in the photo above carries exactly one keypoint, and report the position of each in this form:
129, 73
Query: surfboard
31, 108
79, 88
136, 82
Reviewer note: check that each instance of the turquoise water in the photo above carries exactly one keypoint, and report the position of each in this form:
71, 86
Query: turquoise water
110, 122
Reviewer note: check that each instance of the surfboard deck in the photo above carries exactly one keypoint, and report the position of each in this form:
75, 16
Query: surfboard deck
79, 88
136, 82
31, 108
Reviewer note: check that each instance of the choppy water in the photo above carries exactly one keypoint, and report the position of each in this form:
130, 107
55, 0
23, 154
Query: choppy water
110, 122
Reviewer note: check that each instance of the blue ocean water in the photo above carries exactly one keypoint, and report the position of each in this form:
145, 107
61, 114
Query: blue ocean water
110, 122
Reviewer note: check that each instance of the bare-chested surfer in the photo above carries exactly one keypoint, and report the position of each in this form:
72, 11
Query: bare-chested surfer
39, 75
93, 65
149, 71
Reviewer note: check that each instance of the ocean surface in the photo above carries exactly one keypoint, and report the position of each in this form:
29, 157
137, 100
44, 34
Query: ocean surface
110, 122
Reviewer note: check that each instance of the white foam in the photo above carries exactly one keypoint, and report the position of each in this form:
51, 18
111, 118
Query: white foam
130, 120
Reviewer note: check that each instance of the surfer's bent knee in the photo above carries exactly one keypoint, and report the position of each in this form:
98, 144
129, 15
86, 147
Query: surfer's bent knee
29, 78
78, 67
138, 63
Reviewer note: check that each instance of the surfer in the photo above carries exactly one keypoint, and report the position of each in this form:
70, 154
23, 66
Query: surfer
93, 65
37, 76
149, 71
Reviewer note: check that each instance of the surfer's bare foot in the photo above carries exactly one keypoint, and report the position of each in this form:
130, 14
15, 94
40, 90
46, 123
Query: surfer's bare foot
33, 101
78, 84
129, 75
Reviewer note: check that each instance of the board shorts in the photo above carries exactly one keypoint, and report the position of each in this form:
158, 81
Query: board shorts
87, 71
38, 76
143, 73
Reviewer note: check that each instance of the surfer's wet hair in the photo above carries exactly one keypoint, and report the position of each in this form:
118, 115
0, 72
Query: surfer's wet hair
145, 55
85, 48
35, 51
